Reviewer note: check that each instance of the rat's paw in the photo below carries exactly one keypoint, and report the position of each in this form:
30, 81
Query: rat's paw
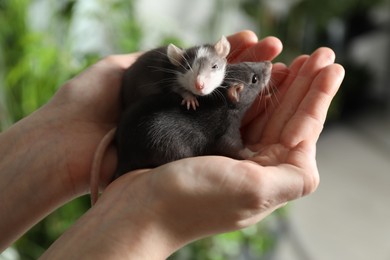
246, 153
190, 101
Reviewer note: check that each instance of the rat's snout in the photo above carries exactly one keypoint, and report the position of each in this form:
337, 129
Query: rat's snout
266, 72
266, 68
199, 84
267, 65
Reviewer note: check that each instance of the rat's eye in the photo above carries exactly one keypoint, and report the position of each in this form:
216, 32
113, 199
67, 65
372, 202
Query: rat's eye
215, 66
255, 79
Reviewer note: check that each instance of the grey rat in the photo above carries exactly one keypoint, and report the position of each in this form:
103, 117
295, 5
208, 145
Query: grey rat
155, 131
191, 72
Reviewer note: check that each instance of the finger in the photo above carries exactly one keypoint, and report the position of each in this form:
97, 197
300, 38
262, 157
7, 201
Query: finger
245, 38
295, 93
268, 187
241, 41
253, 131
294, 68
123, 60
308, 121
266, 49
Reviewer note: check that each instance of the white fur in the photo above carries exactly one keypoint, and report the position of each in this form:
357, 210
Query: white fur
202, 52
210, 78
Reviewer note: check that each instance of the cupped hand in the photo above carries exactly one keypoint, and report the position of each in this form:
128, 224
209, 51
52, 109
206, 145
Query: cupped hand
196, 197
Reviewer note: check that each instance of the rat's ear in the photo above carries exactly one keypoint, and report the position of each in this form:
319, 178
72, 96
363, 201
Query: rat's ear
234, 92
175, 54
222, 47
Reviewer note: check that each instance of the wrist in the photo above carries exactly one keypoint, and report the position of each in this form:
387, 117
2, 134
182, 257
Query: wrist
30, 186
122, 225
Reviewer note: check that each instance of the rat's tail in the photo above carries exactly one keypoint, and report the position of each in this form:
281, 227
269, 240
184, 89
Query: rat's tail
97, 162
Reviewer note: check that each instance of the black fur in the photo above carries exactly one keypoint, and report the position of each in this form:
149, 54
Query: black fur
157, 129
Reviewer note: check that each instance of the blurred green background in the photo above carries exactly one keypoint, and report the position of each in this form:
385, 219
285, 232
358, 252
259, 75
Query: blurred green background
45, 42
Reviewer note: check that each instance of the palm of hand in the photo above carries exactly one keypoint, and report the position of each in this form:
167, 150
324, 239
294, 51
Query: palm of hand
286, 135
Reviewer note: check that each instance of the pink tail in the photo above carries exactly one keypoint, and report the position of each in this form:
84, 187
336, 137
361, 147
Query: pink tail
97, 162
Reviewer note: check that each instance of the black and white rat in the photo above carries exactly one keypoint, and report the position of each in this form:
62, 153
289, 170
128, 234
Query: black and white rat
191, 72
156, 130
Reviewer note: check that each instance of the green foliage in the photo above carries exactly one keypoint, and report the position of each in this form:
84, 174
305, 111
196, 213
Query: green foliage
27, 83
43, 234
36, 63
256, 241
10, 45
33, 64
129, 32
172, 39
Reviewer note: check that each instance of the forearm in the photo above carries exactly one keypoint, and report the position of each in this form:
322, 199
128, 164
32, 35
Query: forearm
30, 183
119, 226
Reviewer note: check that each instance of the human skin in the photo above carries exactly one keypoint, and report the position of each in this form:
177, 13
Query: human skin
151, 213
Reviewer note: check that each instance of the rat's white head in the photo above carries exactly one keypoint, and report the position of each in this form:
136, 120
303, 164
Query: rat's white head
202, 67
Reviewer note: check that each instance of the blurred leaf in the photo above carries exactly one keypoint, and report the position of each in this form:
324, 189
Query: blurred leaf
35, 64
34, 243
174, 40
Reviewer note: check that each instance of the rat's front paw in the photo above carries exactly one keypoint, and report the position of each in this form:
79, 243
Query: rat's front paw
246, 153
190, 101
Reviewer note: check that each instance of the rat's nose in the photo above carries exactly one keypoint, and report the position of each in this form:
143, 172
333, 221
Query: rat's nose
199, 84
267, 65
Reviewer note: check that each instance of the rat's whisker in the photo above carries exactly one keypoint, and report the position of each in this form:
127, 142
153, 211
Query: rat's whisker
219, 95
